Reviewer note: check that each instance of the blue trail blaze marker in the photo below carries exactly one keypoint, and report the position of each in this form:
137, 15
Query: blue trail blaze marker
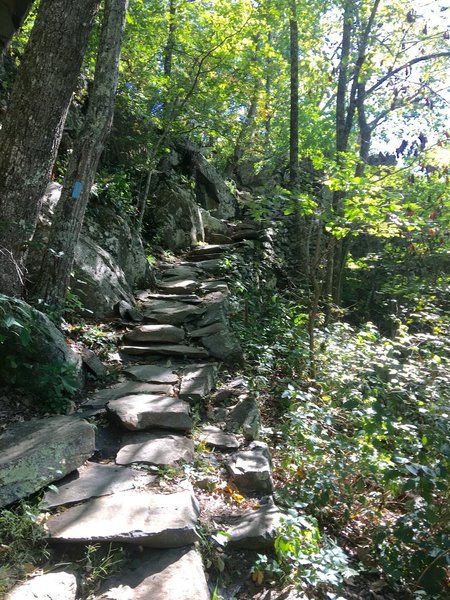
76, 190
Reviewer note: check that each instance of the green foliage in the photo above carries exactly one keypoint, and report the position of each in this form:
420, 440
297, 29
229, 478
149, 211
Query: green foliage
116, 189
99, 337
364, 446
306, 556
22, 544
99, 563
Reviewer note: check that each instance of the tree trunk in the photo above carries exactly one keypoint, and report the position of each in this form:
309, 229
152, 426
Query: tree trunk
170, 45
244, 133
12, 15
268, 107
58, 259
346, 104
293, 128
342, 128
33, 125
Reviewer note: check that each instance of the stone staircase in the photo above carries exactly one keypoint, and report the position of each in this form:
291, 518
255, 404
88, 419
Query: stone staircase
171, 356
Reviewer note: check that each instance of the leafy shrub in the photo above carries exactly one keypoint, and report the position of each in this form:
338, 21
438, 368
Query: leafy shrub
22, 544
363, 447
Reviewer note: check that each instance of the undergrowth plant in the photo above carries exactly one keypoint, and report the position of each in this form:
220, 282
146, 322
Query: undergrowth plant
22, 544
99, 563
362, 447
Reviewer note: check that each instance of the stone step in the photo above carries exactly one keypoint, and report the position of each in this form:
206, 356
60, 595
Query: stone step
209, 249
161, 575
165, 334
127, 388
180, 271
256, 529
153, 296
215, 328
166, 350
152, 374
155, 448
210, 266
214, 437
49, 586
38, 452
93, 480
134, 517
147, 411
178, 286
171, 312
215, 286
197, 381
199, 257
219, 238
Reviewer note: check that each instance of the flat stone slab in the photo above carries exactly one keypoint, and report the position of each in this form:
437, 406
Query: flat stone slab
166, 350
128, 388
180, 271
147, 411
251, 469
171, 312
162, 575
184, 298
257, 529
178, 286
214, 328
214, 437
156, 448
214, 266
38, 452
208, 251
155, 334
152, 374
197, 381
51, 586
215, 286
94, 480
134, 517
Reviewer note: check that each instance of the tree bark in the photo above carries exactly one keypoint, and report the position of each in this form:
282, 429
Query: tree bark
244, 133
170, 44
294, 170
33, 125
347, 102
69, 215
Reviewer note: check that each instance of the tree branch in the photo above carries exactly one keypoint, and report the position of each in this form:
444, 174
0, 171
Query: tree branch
410, 63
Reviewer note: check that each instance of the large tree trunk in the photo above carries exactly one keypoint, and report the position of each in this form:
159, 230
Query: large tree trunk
33, 125
58, 259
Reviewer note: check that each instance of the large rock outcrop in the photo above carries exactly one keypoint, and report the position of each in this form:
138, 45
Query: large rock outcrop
210, 187
38, 452
110, 260
185, 214
176, 220
31, 346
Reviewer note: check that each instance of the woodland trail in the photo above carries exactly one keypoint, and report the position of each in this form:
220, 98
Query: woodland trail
167, 445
